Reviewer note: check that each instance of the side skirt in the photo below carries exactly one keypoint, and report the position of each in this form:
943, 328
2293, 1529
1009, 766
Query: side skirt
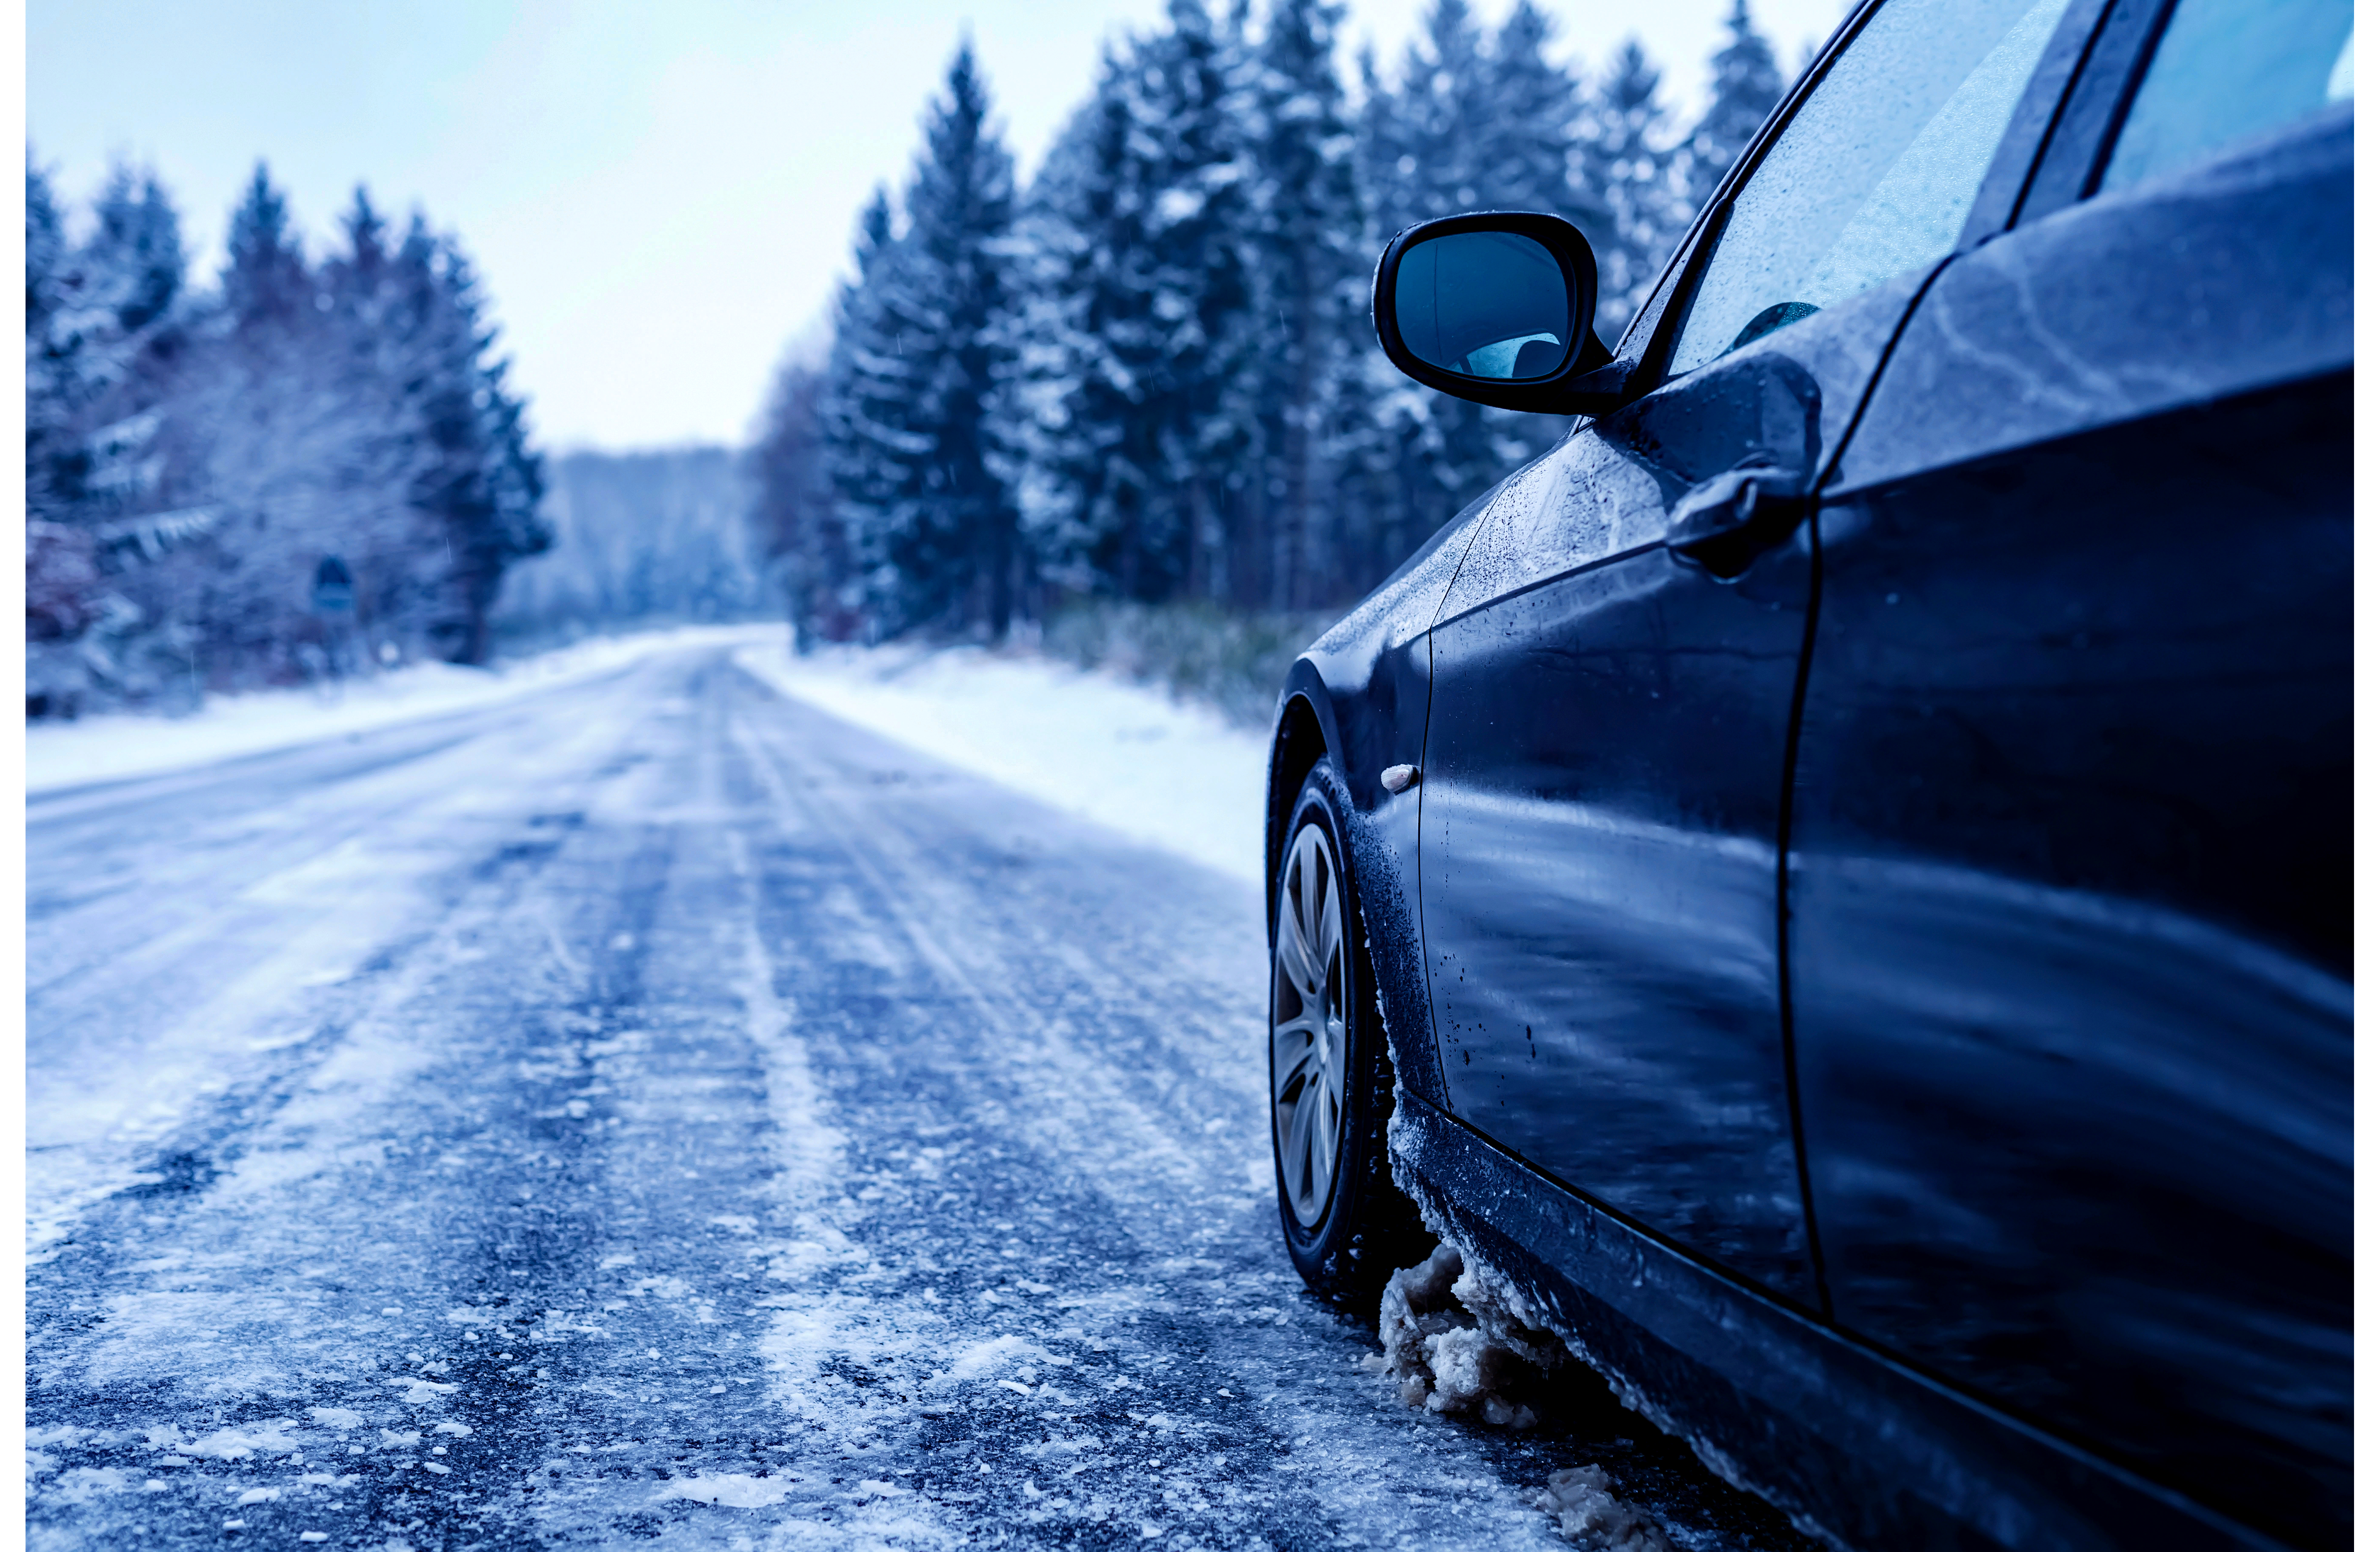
1860, 1452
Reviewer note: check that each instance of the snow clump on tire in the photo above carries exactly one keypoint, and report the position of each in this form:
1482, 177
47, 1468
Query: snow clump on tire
1456, 1340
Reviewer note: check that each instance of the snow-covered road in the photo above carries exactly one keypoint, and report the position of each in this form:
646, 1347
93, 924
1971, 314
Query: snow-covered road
652, 1111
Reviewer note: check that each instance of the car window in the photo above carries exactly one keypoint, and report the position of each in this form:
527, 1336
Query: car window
2228, 70
1875, 173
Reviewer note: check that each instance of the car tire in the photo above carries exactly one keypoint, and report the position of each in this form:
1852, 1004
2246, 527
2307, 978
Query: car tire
1332, 1086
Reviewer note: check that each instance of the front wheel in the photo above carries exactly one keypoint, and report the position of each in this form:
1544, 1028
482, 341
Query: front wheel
1333, 1086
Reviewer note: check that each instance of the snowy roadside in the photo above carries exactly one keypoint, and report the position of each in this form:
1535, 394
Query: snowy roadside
1171, 775
111, 748
1174, 775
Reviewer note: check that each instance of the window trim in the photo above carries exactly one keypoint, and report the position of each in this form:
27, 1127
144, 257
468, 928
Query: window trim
2084, 135
1647, 336
2044, 106
2041, 107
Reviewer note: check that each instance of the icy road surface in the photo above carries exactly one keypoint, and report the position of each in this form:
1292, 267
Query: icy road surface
650, 1112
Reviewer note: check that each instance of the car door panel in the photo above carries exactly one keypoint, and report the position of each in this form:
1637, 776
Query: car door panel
2070, 884
1613, 678
1605, 753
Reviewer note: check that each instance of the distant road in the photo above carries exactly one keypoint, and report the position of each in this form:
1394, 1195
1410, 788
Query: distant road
652, 1112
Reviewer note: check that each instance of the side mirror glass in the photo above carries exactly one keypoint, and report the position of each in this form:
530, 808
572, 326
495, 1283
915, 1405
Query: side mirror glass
1484, 304
1497, 307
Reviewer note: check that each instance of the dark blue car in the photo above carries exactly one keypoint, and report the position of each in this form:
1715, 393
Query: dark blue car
1841, 870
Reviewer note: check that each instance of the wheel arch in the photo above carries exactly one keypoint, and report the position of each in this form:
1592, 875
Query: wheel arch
1298, 744
1306, 730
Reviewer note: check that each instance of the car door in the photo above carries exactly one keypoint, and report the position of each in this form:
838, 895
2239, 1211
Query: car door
1612, 673
2070, 881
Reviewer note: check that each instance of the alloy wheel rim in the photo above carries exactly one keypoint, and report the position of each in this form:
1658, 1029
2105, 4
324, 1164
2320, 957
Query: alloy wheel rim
1309, 1024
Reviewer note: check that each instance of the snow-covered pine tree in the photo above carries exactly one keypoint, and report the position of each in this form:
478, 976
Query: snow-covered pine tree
267, 429
266, 276
375, 365
1141, 419
52, 372
1425, 130
1309, 275
931, 520
1537, 153
1745, 87
97, 317
1070, 399
793, 505
1464, 125
1644, 186
103, 332
862, 403
1189, 339
481, 482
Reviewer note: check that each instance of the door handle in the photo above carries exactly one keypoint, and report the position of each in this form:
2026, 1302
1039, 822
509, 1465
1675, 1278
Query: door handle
1723, 525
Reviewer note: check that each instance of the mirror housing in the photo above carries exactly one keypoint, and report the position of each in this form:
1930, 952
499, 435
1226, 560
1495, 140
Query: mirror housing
1576, 385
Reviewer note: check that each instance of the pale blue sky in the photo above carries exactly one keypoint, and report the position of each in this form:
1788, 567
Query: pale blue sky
660, 196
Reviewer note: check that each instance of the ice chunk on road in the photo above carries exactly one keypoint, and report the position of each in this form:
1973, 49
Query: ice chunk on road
730, 1489
978, 1359
239, 1444
1581, 1501
338, 1419
1456, 1340
417, 1392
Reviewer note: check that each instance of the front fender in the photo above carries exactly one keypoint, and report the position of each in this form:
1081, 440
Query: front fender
1360, 697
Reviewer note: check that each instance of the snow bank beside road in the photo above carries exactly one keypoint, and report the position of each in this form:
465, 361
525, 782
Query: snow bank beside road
1174, 776
110, 747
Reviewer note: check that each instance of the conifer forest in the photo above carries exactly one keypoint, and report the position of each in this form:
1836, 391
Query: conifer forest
313, 465
1148, 374
1145, 376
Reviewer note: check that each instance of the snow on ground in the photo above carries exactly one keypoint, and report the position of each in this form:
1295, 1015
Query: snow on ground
658, 1114
116, 745
1128, 757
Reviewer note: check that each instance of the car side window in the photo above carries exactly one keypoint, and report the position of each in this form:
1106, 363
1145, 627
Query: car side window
2226, 70
1877, 171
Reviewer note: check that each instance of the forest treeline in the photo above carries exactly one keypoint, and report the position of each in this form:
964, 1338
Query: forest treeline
306, 467
1149, 376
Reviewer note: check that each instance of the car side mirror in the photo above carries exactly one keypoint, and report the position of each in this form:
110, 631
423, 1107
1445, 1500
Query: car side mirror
1497, 307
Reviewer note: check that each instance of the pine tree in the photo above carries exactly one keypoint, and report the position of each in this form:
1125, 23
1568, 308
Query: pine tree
481, 480
266, 276
1424, 155
1140, 427
1536, 152
1183, 182
1464, 126
370, 356
1745, 87
1308, 273
1643, 187
45, 248
932, 518
1072, 396
135, 255
792, 510
50, 370
861, 403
